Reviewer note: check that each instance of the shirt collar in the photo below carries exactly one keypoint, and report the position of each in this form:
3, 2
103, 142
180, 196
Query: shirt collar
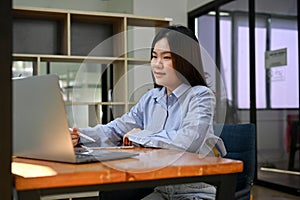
179, 91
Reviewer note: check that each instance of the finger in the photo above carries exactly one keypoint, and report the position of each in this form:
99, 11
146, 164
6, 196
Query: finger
74, 137
124, 138
74, 141
75, 134
125, 141
73, 130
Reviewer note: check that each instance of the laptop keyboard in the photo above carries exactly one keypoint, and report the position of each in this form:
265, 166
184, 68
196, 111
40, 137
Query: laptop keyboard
83, 155
83, 158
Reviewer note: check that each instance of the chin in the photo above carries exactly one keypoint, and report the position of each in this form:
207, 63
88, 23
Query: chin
160, 83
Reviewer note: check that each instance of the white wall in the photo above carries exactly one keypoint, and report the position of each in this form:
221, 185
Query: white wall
176, 9
193, 4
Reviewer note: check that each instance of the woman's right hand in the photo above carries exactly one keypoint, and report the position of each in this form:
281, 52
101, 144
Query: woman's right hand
74, 135
126, 141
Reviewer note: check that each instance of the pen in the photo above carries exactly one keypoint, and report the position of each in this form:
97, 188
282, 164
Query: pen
83, 135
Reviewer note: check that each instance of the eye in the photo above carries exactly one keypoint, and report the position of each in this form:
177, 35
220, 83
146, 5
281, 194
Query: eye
154, 56
167, 57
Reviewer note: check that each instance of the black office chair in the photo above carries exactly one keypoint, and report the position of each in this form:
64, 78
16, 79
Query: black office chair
239, 140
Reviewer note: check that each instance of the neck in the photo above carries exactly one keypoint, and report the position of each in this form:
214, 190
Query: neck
168, 91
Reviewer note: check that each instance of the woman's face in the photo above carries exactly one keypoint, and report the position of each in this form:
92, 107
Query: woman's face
162, 66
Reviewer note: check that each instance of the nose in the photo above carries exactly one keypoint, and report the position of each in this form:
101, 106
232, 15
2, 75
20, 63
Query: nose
157, 62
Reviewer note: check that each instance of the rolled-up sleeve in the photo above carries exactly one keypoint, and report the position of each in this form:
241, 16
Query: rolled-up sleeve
111, 134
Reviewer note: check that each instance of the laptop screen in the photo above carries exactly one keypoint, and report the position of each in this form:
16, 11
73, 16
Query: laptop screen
40, 126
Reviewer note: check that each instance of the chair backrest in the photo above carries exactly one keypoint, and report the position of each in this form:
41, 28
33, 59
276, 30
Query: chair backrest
240, 140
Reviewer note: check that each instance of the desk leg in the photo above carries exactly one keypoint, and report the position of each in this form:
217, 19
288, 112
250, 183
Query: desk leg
226, 187
31, 194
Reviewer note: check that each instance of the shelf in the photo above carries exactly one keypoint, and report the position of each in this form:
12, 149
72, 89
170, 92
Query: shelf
139, 60
96, 103
91, 38
64, 58
66, 42
148, 22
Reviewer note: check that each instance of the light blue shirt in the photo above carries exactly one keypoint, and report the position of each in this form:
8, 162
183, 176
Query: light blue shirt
181, 121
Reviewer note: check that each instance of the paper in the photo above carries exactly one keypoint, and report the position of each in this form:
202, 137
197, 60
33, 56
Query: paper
276, 58
30, 170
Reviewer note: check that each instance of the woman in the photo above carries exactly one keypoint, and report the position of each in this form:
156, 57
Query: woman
176, 114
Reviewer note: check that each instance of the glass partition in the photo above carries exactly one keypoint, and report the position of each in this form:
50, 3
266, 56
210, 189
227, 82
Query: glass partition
277, 65
224, 30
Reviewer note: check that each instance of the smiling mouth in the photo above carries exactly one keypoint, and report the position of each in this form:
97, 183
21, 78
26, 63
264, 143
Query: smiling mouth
158, 74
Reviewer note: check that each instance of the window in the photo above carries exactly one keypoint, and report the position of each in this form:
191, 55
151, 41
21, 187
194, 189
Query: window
276, 88
242, 66
284, 88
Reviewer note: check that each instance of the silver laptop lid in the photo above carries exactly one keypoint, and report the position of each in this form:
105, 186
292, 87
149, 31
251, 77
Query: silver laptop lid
40, 126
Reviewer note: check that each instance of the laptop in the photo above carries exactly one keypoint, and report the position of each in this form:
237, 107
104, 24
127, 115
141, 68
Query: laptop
40, 124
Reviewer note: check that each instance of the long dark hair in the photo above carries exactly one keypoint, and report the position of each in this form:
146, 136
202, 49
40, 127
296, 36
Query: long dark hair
185, 51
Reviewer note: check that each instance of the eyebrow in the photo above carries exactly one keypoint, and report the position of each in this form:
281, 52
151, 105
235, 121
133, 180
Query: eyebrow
164, 52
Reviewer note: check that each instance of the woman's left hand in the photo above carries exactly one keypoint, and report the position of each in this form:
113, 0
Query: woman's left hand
126, 141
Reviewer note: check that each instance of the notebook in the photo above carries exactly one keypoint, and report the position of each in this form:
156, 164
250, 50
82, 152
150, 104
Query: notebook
40, 124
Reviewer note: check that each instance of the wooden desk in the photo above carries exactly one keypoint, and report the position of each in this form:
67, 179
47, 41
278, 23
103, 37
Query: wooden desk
153, 167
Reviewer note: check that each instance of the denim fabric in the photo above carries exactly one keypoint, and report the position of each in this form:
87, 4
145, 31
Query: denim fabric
193, 191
